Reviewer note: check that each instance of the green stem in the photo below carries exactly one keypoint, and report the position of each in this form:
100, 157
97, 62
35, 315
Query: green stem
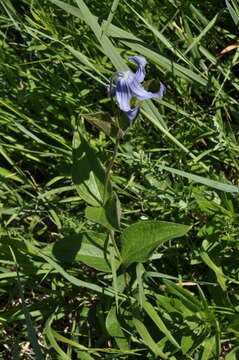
112, 238
107, 179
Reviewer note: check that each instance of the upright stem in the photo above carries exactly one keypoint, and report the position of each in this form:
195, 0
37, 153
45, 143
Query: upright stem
107, 179
108, 170
112, 238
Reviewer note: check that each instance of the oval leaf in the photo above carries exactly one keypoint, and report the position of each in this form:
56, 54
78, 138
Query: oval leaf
88, 174
139, 240
88, 247
114, 329
93, 251
108, 216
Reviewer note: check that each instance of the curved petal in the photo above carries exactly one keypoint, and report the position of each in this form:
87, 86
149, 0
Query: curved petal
123, 93
141, 62
162, 90
142, 94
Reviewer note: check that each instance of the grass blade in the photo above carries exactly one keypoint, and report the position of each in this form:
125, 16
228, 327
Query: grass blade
234, 15
110, 16
30, 328
72, 279
202, 180
203, 33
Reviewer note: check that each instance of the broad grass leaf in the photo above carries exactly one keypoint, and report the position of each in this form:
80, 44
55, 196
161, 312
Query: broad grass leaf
114, 329
203, 33
139, 240
110, 16
4, 173
88, 174
51, 338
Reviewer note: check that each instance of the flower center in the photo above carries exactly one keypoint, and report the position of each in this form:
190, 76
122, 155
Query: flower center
124, 76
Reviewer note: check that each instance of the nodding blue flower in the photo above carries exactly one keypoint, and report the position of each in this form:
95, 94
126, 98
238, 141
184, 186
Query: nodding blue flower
128, 85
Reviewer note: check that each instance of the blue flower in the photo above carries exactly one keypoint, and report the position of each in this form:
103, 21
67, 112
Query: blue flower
128, 85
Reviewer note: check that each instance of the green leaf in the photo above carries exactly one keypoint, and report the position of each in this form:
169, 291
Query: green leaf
6, 174
51, 338
202, 34
186, 343
113, 327
98, 215
108, 216
88, 174
209, 349
145, 335
202, 180
92, 251
110, 16
72, 279
221, 278
232, 355
88, 247
31, 331
139, 240
233, 14
159, 322
188, 299
107, 127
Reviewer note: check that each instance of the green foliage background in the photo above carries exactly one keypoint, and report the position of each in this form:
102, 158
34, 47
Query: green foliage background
183, 302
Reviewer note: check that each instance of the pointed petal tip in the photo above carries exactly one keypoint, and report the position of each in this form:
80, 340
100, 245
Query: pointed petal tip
132, 113
139, 60
162, 90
